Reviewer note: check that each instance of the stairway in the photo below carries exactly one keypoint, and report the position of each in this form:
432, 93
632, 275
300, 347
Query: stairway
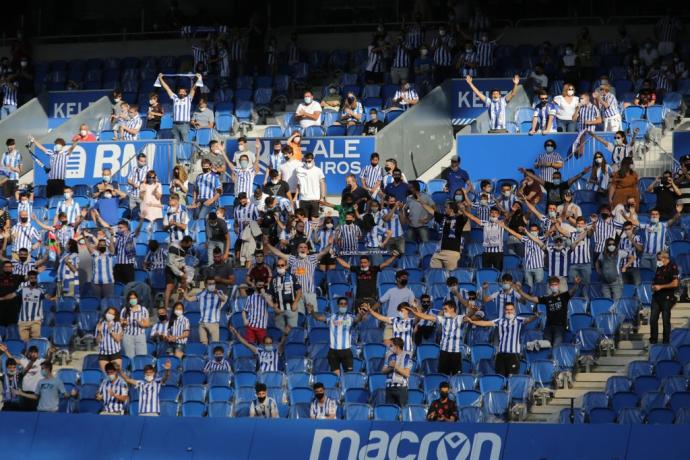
606, 366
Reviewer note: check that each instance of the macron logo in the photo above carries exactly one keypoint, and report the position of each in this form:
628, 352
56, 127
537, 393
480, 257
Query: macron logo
404, 445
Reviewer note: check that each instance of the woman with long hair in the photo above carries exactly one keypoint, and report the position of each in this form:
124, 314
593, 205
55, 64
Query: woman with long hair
109, 339
619, 148
135, 318
566, 104
624, 185
600, 177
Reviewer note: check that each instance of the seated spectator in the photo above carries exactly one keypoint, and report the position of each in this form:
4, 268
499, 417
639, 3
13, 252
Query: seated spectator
308, 112
263, 406
351, 112
322, 407
84, 134
405, 97
373, 125
203, 117
443, 409
646, 96
331, 102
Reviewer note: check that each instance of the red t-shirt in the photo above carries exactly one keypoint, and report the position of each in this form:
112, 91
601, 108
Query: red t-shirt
261, 273
90, 137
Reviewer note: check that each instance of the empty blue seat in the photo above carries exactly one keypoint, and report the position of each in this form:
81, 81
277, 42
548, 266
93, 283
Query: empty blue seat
357, 411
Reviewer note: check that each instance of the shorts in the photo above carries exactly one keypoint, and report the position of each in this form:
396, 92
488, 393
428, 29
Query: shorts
338, 357
176, 347
170, 277
255, 335
388, 332
310, 208
111, 357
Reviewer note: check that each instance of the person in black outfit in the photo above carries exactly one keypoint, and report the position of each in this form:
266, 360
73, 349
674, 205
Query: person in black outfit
556, 188
667, 193
556, 308
366, 275
9, 282
424, 329
664, 285
452, 223
443, 409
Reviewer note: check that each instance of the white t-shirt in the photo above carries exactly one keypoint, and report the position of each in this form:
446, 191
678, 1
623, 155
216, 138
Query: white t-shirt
310, 109
287, 173
238, 154
33, 375
309, 180
565, 110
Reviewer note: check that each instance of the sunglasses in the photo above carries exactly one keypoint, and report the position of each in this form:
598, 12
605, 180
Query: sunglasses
281, 266
618, 137
544, 100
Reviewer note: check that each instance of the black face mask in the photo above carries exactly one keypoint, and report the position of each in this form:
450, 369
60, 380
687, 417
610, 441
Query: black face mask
205, 170
443, 394
23, 259
349, 222
319, 396
402, 281
63, 222
101, 248
24, 219
426, 305
218, 358
162, 317
397, 179
261, 399
605, 215
387, 169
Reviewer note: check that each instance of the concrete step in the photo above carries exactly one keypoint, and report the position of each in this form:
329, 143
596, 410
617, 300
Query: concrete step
616, 360
567, 393
593, 376
630, 345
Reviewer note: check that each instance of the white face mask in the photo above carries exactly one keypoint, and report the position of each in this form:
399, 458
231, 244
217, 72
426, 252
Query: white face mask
210, 287
598, 160
68, 195
109, 316
297, 139
611, 247
424, 52
281, 270
309, 165
302, 256
654, 220
244, 164
178, 312
506, 193
493, 219
112, 377
307, 100
107, 195
555, 289
570, 92
506, 286
510, 316
148, 378
83, 132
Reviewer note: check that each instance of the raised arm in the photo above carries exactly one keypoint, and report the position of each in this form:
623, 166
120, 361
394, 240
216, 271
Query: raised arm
390, 260
384, 319
242, 340
276, 252
474, 89
421, 315
472, 217
343, 263
192, 90
165, 86
524, 295
513, 92
532, 176
574, 179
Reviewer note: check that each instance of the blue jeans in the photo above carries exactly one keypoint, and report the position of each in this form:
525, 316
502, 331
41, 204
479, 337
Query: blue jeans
648, 261
566, 126
203, 210
585, 272
419, 234
7, 110
613, 290
180, 131
134, 345
532, 277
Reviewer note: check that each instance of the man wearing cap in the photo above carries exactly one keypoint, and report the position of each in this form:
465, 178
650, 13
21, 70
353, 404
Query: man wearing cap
682, 181
548, 162
456, 177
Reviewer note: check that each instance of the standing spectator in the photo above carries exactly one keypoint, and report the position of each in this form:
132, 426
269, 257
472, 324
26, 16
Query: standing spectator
68, 271
417, 212
263, 406
11, 168
664, 285
10, 95
493, 238
243, 174
566, 105
666, 30
548, 162
495, 103
467, 61
402, 325
129, 131
308, 112
149, 389
443, 45
608, 106
340, 324
68, 207
371, 175
151, 193
624, 184
485, 53
443, 409
533, 261
620, 148
580, 258
509, 348
255, 313
176, 219
203, 117
245, 213
322, 407
667, 194
556, 302
456, 178
557, 187
540, 81
295, 143
398, 366
311, 186
682, 178
136, 177
609, 265
24, 235
423, 70
587, 115
398, 188
374, 68
288, 169
211, 300
388, 219
124, 248
286, 293
450, 357
182, 107
267, 354
109, 335
366, 274
177, 332
29, 376
629, 246
451, 223
58, 164
31, 312
48, 390
112, 392
400, 68
544, 114
206, 192
134, 319
154, 113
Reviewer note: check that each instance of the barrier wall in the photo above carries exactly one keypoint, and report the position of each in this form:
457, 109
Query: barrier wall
497, 156
467, 106
681, 144
31, 119
66, 104
424, 130
63, 436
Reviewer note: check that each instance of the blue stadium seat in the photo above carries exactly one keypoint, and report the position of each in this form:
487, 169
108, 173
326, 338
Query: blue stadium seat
660, 416
357, 411
219, 409
495, 406
470, 414
414, 413
193, 409
387, 412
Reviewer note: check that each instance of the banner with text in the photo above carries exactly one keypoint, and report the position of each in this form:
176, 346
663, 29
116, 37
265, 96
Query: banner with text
66, 104
465, 105
85, 164
31, 435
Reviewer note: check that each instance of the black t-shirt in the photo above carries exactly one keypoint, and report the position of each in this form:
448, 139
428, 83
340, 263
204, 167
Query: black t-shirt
556, 308
665, 199
366, 281
279, 189
372, 127
217, 232
451, 230
554, 193
665, 275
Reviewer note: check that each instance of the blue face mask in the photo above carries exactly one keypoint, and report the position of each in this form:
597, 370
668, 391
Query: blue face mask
556, 182
549, 148
44, 373
342, 310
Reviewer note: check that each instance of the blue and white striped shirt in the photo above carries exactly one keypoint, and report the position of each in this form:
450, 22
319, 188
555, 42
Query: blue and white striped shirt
200, 55
603, 230
217, 366
180, 216
402, 328
111, 405
106, 344
256, 310
393, 224
579, 253
137, 175
485, 52
402, 57
207, 185
244, 215
340, 327
626, 248
443, 50
501, 298
125, 248
602, 176
348, 237
275, 161
558, 261
22, 268
223, 63
587, 112
133, 318
303, 270
325, 408
414, 36
23, 236
497, 112
210, 304
468, 61
620, 151
149, 392
156, 260
102, 267
482, 211
509, 334
375, 237
32, 303
71, 210
182, 109
612, 109
534, 254
451, 333
10, 91
546, 172
13, 159
267, 360
58, 163
371, 175
375, 62
655, 237
542, 112
132, 123
180, 325
244, 180
64, 273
